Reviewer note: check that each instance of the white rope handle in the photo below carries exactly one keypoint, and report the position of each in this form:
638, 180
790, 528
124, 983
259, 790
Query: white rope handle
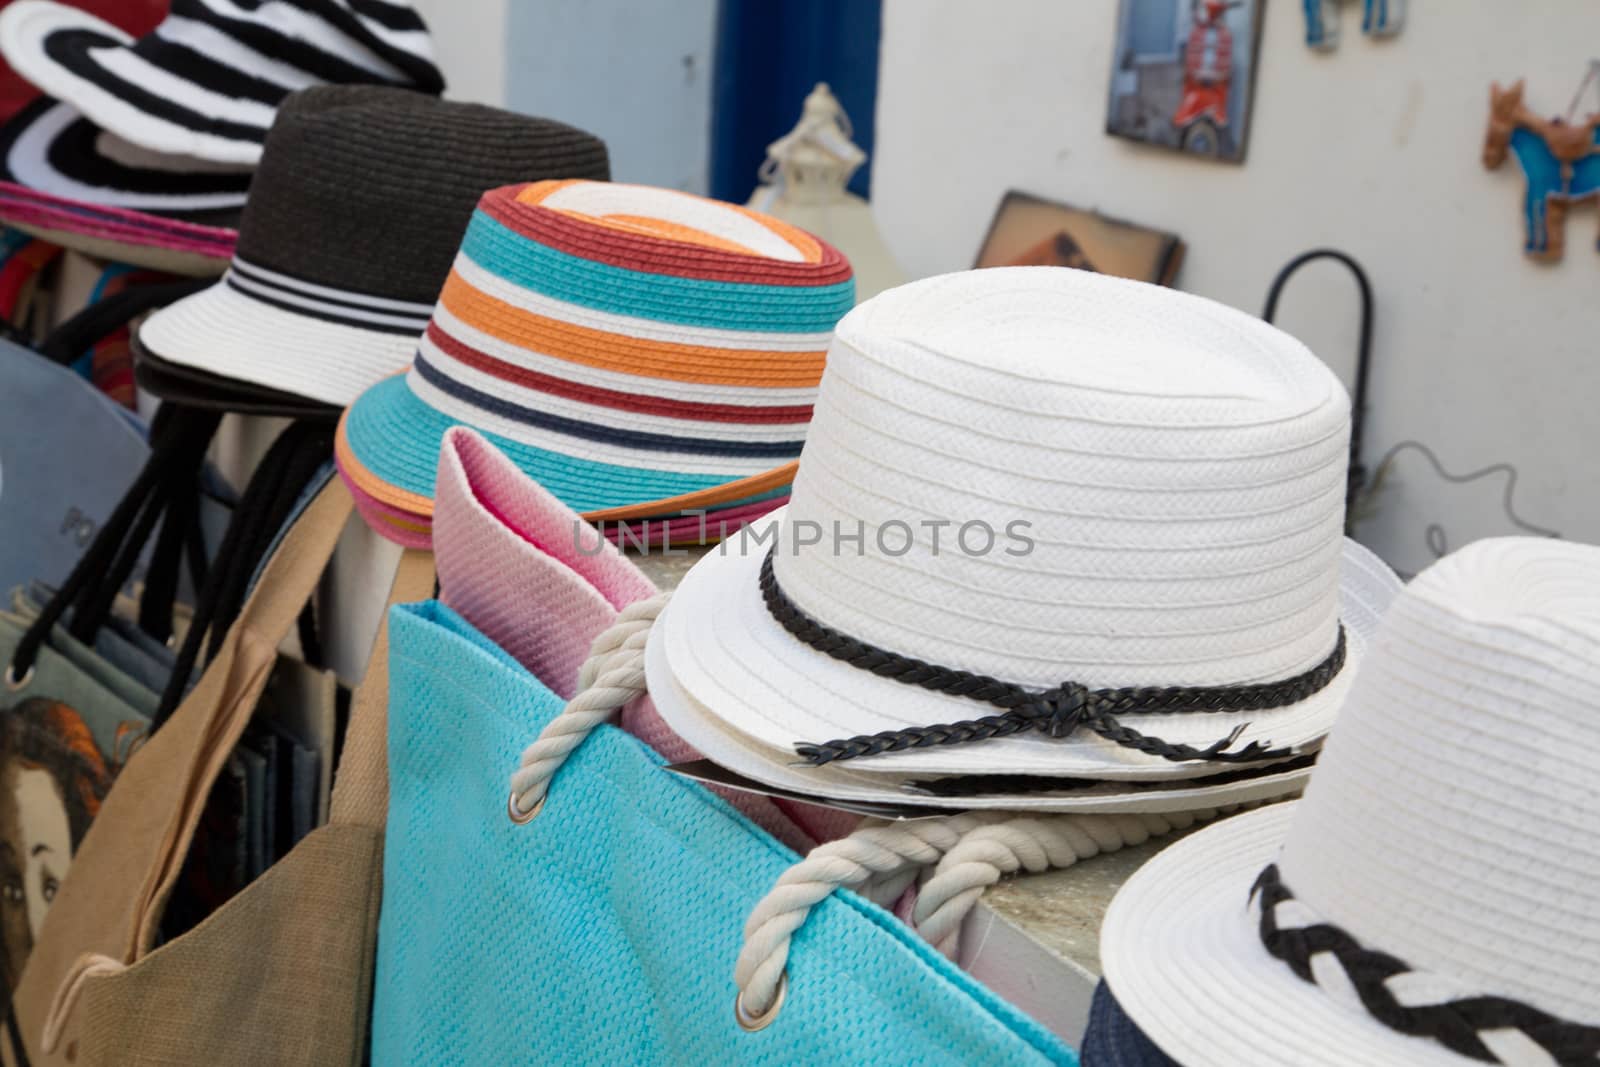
972, 851
611, 676
1034, 844
873, 853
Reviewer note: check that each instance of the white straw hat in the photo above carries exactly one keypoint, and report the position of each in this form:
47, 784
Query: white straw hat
1162, 482
1435, 898
1366, 587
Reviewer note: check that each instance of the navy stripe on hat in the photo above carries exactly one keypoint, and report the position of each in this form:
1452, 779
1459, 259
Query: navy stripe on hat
659, 442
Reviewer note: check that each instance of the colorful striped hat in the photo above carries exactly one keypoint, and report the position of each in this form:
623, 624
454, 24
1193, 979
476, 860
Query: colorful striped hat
641, 352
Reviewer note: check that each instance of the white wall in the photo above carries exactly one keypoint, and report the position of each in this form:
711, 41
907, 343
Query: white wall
638, 75
1373, 149
469, 43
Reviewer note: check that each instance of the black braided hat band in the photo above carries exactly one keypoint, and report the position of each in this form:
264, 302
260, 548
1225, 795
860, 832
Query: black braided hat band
1458, 1024
1057, 712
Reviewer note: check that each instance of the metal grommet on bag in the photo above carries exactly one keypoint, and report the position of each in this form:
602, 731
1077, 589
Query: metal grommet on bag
750, 1022
522, 817
11, 680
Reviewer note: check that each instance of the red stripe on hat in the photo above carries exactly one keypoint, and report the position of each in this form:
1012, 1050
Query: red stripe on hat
655, 255
610, 398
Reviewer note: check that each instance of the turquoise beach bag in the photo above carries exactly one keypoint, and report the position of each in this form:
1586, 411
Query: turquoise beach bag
604, 929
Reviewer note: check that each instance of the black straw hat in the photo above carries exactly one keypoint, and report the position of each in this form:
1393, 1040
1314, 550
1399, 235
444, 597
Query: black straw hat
353, 222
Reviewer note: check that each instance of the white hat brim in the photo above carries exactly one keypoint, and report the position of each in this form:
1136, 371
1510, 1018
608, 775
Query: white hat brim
731, 658
1181, 950
224, 331
25, 26
724, 746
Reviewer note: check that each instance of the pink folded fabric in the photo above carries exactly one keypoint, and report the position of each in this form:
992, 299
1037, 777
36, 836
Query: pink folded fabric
538, 581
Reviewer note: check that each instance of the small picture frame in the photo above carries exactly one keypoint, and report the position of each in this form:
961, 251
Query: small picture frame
1183, 74
1031, 231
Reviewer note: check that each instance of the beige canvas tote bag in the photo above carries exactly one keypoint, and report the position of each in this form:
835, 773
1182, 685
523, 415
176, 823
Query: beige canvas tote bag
281, 973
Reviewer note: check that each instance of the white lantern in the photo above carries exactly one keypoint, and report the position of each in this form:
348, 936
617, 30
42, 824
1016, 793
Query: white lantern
804, 181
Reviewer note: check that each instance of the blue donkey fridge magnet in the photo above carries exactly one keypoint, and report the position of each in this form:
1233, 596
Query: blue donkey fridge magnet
1560, 159
1379, 18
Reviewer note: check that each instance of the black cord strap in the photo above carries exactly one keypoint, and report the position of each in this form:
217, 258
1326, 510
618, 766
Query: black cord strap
99, 320
1057, 712
1457, 1024
1357, 478
978, 785
92, 585
262, 509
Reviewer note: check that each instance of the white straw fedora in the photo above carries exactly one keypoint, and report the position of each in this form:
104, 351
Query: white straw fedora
1141, 496
1367, 585
1435, 898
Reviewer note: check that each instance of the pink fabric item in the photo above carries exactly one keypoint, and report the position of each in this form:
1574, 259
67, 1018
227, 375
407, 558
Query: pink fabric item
509, 560
18, 203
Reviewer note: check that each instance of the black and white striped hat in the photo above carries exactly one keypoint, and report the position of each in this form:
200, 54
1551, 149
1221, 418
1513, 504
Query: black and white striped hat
67, 181
354, 218
1434, 901
208, 80
50, 147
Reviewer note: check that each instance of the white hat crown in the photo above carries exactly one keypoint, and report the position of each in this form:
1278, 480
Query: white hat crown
1178, 467
1452, 819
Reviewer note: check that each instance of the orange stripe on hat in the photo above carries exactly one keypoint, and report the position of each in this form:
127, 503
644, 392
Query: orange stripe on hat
628, 355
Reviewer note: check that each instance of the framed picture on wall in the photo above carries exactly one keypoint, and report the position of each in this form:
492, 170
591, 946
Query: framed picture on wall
1183, 74
1028, 231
